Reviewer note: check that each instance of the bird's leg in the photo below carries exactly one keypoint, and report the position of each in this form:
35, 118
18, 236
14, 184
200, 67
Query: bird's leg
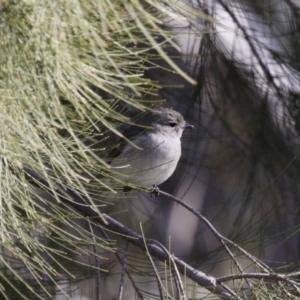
154, 191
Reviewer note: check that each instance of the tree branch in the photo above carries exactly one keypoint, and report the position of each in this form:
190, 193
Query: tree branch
134, 238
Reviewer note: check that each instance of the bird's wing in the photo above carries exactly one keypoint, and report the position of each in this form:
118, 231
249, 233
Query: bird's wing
131, 133
116, 151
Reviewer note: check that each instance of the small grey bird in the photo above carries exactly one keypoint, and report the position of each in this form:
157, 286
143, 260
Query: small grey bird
154, 151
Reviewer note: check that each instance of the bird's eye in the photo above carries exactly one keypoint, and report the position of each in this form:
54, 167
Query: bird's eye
172, 124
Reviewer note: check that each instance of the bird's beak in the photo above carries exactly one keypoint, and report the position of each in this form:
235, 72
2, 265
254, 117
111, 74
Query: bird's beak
187, 126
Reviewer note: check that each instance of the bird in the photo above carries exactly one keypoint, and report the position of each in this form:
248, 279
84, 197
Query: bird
150, 152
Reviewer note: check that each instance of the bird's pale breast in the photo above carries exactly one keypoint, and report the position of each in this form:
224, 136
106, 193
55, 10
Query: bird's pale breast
152, 165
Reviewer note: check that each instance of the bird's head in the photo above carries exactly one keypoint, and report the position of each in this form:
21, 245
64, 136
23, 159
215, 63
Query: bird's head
169, 122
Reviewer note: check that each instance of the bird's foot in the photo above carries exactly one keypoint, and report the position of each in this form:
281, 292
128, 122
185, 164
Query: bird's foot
154, 191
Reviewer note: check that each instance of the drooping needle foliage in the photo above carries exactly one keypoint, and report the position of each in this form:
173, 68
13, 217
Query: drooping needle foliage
71, 73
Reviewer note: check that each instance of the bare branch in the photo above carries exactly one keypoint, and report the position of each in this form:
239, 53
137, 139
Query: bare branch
74, 200
223, 240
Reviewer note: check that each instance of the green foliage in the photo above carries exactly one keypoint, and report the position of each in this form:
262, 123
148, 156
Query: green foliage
71, 73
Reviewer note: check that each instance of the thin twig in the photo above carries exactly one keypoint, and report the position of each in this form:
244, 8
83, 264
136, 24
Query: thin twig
173, 265
97, 262
156, 273
219, 236
123, 271
103, 232
223, 240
